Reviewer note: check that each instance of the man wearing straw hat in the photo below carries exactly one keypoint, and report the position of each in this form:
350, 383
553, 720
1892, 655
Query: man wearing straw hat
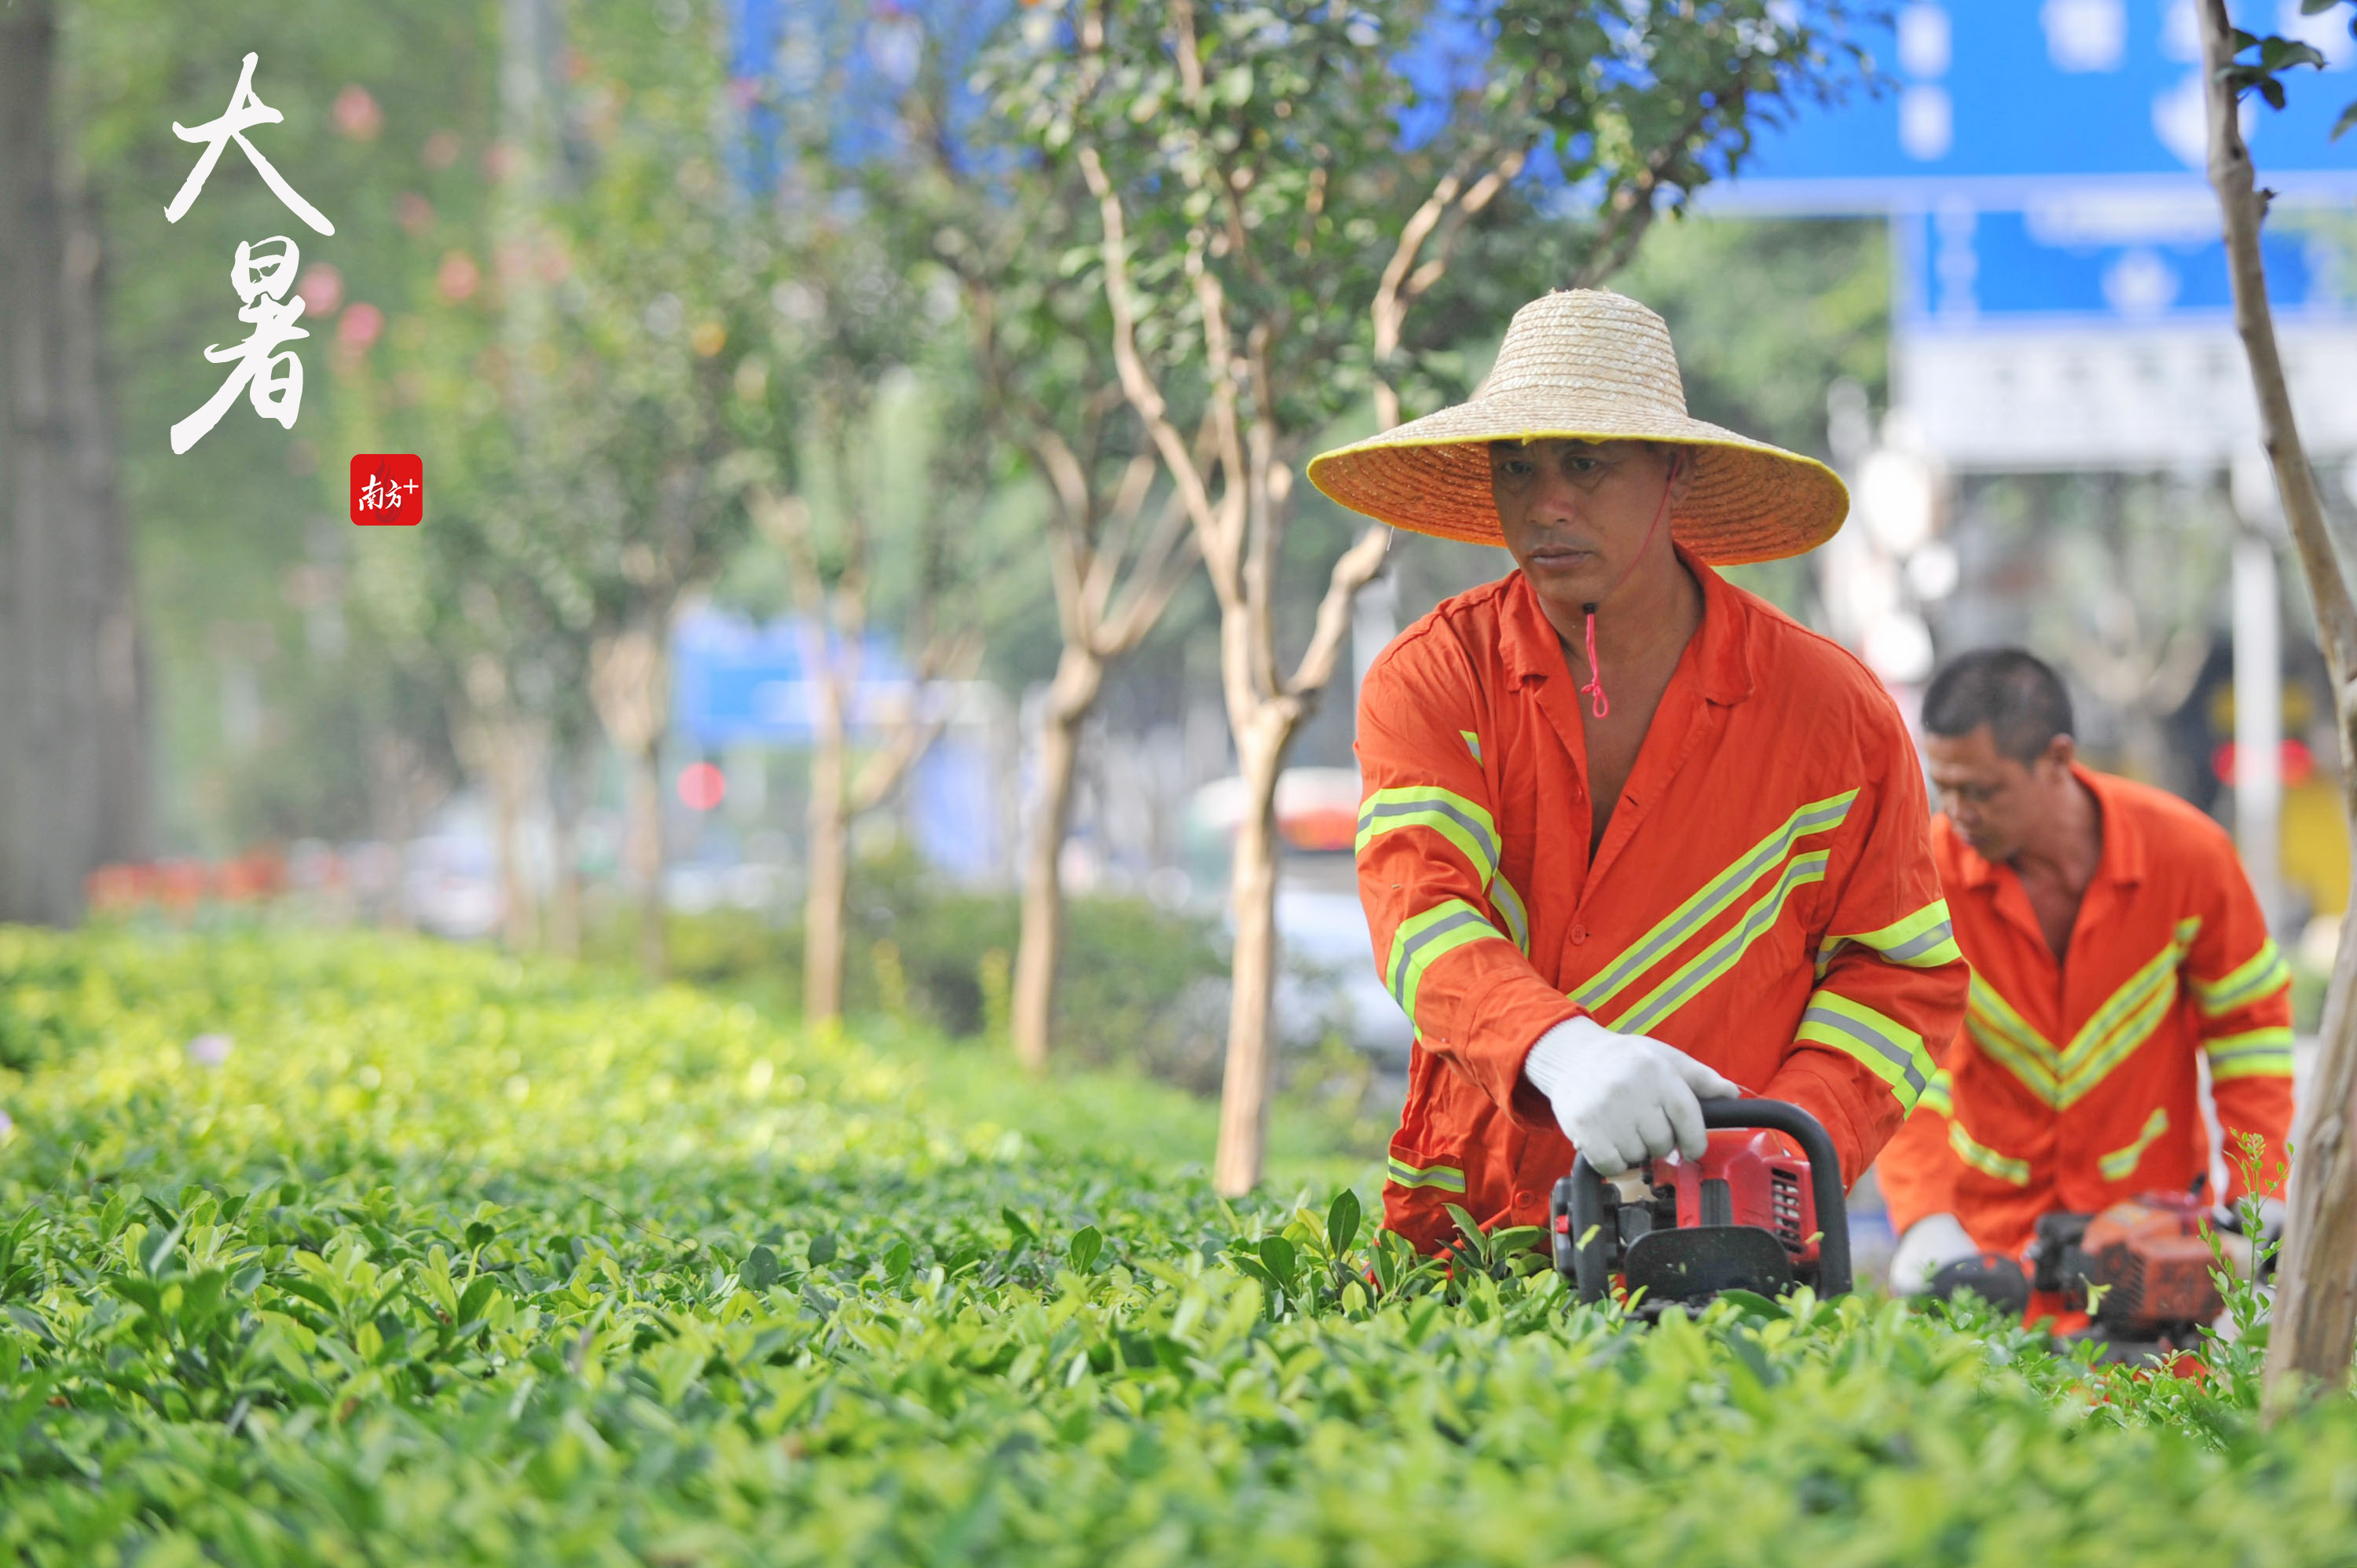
1631, 837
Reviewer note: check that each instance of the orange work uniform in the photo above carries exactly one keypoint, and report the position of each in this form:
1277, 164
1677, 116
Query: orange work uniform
2073, 1083
1763, 898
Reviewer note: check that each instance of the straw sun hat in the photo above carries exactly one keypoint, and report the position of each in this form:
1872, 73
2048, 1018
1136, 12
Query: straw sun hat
1591, 365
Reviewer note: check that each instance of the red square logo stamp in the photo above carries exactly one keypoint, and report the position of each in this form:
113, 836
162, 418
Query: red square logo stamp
387, 490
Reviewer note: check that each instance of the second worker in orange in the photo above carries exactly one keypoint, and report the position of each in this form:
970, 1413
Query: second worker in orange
2115, 946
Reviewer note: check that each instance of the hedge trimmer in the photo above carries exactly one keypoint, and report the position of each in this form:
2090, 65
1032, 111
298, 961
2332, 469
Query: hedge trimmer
1750, 1215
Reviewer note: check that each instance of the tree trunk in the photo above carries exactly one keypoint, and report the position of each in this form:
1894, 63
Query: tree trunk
566, 788
1080, 676
646, 857
512, 772
628, 676
830, 859
1243, 1089
2315, 1324
73, 768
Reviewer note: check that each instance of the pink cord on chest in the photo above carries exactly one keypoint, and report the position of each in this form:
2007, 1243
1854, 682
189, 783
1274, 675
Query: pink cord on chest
1597, 703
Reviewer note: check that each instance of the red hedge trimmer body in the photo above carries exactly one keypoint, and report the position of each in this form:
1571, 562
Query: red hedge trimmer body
1749, 1215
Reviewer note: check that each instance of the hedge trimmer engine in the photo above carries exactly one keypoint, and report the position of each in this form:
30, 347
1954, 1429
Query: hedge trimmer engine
1749, 1215
2141, 1269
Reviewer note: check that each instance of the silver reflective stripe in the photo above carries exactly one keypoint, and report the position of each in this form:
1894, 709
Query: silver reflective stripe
1404, 961
1437, 805
1889, 1049
1920, 945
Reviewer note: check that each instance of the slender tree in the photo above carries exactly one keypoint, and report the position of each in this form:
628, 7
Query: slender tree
2315, 1326
1118, 545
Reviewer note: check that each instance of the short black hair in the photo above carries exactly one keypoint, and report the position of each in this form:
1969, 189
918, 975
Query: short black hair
2012, 690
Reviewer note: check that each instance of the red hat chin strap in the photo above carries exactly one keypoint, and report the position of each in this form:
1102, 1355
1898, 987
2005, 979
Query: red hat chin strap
1597, 703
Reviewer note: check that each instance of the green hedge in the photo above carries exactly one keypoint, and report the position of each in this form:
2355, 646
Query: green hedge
452, 1260
1142, 987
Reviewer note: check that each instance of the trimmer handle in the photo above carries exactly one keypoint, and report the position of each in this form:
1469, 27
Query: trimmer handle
1584, 1249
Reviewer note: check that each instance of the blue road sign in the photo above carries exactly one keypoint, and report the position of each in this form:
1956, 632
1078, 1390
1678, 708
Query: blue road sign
1995, 102
733, 680
2088, 260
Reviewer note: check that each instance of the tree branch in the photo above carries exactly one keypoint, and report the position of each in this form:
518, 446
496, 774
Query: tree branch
1354, 570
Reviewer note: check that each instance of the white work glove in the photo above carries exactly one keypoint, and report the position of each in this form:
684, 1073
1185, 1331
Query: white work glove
1931, 1244
1623, 1098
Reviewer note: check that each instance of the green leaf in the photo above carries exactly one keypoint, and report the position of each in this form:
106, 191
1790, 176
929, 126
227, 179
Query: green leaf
821, 1248
2282, 54
1342, 1221
760, 1270
1086, 1244
2348, 118
1280, 1256
1754, 1305
2316, 8
1476, 1244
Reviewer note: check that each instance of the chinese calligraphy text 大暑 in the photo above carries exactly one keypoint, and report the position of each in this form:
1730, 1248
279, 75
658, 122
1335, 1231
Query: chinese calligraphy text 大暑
270, 375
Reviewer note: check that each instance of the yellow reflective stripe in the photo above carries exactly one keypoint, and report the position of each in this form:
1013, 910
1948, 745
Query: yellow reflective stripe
1924, 939
1716, 895
2121, 1164
2239, 987
1508, 905
1986, 1160
1452, 816
1698, 971
1472, 743
2111, 1034
1421, 938
1938, 1096
2006, 1038
1889, 1049
2254, 1053
2083, 1072
1449, 1179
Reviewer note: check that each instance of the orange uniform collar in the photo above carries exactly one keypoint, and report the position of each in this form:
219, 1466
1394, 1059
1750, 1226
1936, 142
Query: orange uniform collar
1719, 654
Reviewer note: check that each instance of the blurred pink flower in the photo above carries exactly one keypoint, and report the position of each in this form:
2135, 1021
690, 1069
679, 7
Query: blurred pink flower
442, 149
209, 1050
414, 213
357, 114
458, 277
322, 288
360, 327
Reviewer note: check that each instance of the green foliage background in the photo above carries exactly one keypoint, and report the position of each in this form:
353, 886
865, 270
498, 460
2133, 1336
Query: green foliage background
457, 1259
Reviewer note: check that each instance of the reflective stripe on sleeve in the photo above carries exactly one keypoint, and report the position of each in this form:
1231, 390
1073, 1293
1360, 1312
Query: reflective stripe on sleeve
1508, 905
1986, 1160
1938, 1095
2121, 1164
1924, 939
1449, 1179
2265, 971
1714, 898
1886, 1048
1466, 825
1420, 939
1698, 971
2254, 1053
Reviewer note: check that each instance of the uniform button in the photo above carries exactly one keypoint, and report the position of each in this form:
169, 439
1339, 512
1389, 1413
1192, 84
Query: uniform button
1578, 935
1524, 1200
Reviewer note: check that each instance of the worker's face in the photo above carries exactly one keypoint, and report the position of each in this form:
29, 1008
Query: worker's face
1999, 803
1577, 513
